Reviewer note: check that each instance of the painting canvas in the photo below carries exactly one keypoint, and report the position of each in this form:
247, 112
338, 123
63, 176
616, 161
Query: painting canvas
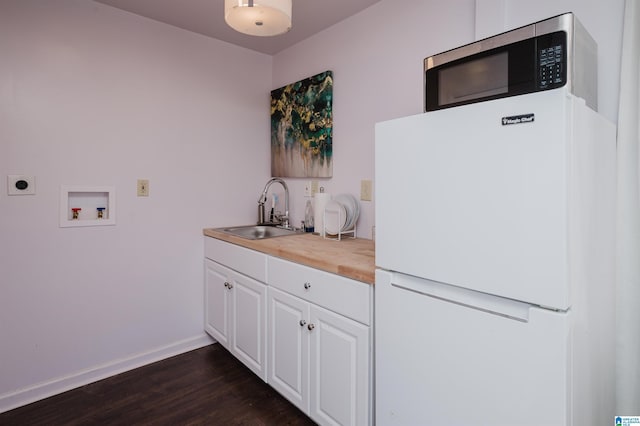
302, 128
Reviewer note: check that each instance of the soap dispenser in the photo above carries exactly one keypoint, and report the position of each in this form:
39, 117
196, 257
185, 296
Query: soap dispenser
308, 217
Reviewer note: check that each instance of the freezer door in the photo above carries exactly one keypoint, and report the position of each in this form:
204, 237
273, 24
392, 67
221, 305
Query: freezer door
466, 199
444, 361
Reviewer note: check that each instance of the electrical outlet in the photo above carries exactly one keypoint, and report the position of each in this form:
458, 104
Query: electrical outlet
143, 187
21, 185
365, 190
314, 187
307, 189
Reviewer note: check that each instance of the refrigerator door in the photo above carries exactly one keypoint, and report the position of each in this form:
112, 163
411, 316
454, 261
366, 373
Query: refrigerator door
477, 203
440, 360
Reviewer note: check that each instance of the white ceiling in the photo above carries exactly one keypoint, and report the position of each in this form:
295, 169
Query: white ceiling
207, 17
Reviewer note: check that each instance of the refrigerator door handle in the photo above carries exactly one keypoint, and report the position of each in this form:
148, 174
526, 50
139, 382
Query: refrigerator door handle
501, 306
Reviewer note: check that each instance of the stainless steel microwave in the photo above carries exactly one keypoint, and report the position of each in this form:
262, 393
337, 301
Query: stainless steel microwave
545, 55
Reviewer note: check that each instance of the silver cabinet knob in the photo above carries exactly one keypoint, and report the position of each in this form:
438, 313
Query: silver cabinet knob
228, 285
302, 323
311, 326
307, 285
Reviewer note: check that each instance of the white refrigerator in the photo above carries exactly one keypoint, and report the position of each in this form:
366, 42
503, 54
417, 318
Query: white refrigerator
494, 293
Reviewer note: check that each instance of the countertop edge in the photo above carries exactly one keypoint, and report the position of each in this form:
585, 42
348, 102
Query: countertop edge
350, 258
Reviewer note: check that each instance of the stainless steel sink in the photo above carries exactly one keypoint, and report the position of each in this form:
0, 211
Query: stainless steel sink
258, 232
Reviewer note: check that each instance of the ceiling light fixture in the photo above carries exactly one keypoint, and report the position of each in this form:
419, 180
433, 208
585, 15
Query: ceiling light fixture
258, 17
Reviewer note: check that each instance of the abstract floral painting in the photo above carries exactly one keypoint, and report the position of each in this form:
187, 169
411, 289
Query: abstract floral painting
302, 128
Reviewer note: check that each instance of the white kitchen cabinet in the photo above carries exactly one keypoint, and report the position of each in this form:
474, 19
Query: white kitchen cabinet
319, 359
339, 369
304, 331
235, 313
288, 343
217, 300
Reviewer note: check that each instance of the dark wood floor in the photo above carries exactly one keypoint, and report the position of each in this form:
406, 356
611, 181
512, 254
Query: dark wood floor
207, 386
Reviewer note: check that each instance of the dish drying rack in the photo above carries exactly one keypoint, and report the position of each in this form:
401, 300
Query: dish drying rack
336, 237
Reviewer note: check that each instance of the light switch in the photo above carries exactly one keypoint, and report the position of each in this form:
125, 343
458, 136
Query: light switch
143, 187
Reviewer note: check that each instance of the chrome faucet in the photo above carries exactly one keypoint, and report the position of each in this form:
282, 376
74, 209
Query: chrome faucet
282, 220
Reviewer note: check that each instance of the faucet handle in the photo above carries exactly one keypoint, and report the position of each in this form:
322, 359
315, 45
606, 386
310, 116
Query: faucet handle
282, 220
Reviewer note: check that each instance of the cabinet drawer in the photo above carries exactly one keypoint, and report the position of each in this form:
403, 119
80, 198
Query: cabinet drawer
249, 262
338, 294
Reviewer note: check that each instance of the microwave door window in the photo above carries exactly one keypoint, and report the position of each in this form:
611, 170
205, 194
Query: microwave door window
472, 80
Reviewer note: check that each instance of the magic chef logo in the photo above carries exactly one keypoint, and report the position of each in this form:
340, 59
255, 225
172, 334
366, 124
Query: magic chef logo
518, 119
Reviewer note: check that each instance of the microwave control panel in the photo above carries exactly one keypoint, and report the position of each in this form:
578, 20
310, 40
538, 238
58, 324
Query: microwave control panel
552, 59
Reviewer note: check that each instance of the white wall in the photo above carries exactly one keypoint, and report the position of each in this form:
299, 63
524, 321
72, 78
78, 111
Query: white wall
91, 95
377, 55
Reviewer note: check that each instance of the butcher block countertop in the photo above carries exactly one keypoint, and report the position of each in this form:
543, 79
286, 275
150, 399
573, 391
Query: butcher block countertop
351, 258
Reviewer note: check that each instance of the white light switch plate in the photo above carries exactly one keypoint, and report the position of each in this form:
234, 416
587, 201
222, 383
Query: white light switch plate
21, 185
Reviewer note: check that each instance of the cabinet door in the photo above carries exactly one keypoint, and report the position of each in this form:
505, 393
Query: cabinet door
217, 296
248, 323
289, 347
339, 369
